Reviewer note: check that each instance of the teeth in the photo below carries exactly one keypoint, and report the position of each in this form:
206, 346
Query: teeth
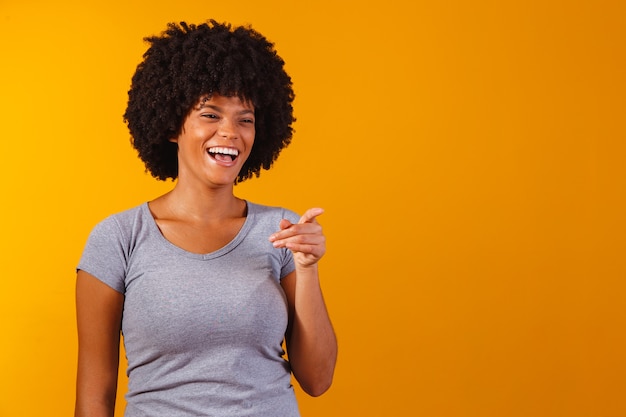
225, 151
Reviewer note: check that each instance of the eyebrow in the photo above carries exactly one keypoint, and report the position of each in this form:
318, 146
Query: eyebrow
219, 109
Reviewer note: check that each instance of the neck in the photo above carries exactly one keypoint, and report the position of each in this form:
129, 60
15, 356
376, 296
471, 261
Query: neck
204, 204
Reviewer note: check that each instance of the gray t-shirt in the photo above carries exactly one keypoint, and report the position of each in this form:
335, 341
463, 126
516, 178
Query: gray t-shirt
203, 334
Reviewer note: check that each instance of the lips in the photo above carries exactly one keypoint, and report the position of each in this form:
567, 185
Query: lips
223, 154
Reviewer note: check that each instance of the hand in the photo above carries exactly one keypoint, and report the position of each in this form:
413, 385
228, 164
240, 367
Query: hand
305, 239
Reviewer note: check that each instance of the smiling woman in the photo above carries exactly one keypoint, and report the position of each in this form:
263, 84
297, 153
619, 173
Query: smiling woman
189, 63
210, 285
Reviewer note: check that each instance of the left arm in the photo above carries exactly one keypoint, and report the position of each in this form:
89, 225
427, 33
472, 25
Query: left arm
311, 341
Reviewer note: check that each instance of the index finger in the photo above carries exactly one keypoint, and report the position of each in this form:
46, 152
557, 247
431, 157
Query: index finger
310, 215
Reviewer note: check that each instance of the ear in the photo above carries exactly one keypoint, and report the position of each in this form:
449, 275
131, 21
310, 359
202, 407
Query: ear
176, 133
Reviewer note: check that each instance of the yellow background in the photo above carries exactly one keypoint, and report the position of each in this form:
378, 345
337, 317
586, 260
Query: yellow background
469, 155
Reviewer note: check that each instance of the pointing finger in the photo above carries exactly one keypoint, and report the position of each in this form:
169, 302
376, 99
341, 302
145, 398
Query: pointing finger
310, 215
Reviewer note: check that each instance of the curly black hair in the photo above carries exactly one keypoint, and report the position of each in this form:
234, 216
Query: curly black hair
187, 62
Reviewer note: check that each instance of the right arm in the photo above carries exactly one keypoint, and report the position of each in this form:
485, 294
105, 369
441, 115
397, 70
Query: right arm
99, 320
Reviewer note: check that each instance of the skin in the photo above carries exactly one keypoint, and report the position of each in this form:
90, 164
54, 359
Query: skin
201, 214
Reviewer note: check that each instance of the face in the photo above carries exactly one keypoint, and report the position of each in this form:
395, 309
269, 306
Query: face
215, 140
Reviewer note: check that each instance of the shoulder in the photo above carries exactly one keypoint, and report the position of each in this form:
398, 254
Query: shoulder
273, 214
130, 215
121, 223
109, 247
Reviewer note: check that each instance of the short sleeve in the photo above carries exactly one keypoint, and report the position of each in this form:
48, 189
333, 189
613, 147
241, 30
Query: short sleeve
105, 254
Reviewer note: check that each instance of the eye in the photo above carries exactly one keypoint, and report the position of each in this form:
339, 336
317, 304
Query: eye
210, 116
247, 120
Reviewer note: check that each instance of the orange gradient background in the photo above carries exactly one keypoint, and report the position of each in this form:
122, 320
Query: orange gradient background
469, 155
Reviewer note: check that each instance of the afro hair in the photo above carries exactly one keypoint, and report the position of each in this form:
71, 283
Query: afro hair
187, 62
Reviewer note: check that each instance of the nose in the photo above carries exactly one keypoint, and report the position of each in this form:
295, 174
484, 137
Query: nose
227, 128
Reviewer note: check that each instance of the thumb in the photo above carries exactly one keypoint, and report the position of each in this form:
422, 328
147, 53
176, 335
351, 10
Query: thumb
284, 224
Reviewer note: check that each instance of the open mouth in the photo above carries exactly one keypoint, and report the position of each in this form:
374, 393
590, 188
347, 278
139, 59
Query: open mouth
223, 154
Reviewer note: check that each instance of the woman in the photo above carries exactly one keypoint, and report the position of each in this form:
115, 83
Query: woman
204, 286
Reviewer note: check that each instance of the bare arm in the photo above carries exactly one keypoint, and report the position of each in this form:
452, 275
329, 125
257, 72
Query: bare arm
99, 316
311, 341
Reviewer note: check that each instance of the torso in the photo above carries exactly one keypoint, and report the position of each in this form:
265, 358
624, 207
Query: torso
203, 333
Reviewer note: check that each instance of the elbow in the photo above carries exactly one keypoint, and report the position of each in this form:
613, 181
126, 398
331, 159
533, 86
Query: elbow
315, 375
318, 388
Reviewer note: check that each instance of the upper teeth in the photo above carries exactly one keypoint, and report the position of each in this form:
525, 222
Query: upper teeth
225, 151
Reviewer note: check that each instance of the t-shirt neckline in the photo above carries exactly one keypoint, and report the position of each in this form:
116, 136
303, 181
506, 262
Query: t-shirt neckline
241, 234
